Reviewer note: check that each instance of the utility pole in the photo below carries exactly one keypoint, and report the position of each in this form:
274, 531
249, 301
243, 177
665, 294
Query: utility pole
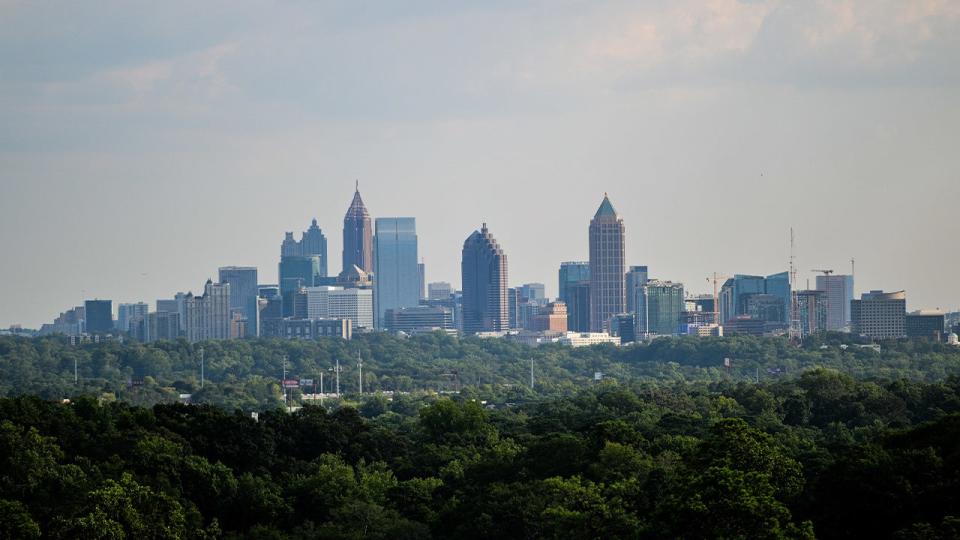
201, 368
321, 388
283, 381
338, 378
360, 367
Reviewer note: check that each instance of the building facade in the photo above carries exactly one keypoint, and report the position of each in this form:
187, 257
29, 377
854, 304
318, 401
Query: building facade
98, 316
879, 315
396, 273
814, 312
357, 236
552, 318
439, 290
484, 275
413, 320
659, 306
607, 279
128, 312
208, 316
928, 325
296, 272
839, 291
571, 273
244, 291
635, 278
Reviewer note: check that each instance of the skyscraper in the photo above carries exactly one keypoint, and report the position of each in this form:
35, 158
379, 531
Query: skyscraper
571, 273
484, 273
98, 316
534, 291
839, 289
128, 312
636, 276
440, 290
762, 298
357, 236
607, 286
314, 243
208, 316
296, 272
812, 310
659, 304
396, 273
244, 292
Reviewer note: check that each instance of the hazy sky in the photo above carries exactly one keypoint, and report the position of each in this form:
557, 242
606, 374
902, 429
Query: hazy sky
145, 144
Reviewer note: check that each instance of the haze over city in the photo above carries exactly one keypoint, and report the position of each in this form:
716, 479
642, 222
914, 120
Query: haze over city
147, 145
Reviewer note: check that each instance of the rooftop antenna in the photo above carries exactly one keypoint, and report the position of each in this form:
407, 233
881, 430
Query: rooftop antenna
794, 307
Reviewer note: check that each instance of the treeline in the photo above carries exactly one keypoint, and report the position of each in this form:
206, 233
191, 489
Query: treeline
821, 455
246, 374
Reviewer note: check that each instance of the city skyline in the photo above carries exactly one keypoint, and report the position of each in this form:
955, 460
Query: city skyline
148, 152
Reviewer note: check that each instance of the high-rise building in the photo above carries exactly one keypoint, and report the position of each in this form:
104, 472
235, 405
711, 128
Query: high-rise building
534, 291
659, 305
396, 273
513, 307
926, 324
484, 273
578, 306
353, 304
624, 326
168, 306
244, 292
98, 316
879, 315
297, 271
439, 290
813, 310
159, 325
571, 273
357, 236
767, 299
839, 289
289, 247
607, 279
208, 316
422, 268
129, 312
314, 243
636, 276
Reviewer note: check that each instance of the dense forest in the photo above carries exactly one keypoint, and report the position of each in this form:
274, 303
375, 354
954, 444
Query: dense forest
834, 441
246, 374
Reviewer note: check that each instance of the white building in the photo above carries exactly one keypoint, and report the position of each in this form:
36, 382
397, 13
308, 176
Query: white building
328, 302
585, 339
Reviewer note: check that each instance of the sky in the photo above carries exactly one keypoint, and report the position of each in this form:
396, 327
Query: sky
145, 144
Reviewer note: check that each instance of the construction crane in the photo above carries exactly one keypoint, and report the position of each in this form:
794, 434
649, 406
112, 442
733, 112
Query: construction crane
824, 272
715, 278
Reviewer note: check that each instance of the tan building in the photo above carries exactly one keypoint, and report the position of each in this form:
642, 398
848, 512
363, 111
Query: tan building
552, 319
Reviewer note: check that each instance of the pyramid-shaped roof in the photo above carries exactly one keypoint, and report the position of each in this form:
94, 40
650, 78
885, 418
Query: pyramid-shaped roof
606, 209
357, 209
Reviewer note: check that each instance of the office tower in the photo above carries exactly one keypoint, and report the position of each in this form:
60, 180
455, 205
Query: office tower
578, 306
553, 318
357, 236
308, 328
289, 247
513, 307
659, 305
98, 316
396, 274
879, 315
636, 276
926, 324
208, 316
296, 271
439, 290
128, 312
813, 310
484, 274
244, 292
269, 303
766, 299
534, 291
314, 243
353, 304
419, 319
571, 273
423, 280
624, 326
159, 325
839, 289
607, 280
168, 306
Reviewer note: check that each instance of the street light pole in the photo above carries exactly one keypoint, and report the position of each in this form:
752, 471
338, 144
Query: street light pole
201, 368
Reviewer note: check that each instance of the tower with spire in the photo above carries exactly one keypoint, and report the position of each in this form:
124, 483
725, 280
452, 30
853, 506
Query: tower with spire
484, 273
607, 277
357, 236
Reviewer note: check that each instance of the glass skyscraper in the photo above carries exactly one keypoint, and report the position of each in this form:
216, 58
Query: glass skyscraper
571, 273
357, 236
607, 285
839, 289
296, 272
636, 277
244, 291
484, 272
659, 304
396, 282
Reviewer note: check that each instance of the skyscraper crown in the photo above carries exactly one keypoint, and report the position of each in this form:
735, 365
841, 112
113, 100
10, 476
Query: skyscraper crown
606, 208
357, 209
